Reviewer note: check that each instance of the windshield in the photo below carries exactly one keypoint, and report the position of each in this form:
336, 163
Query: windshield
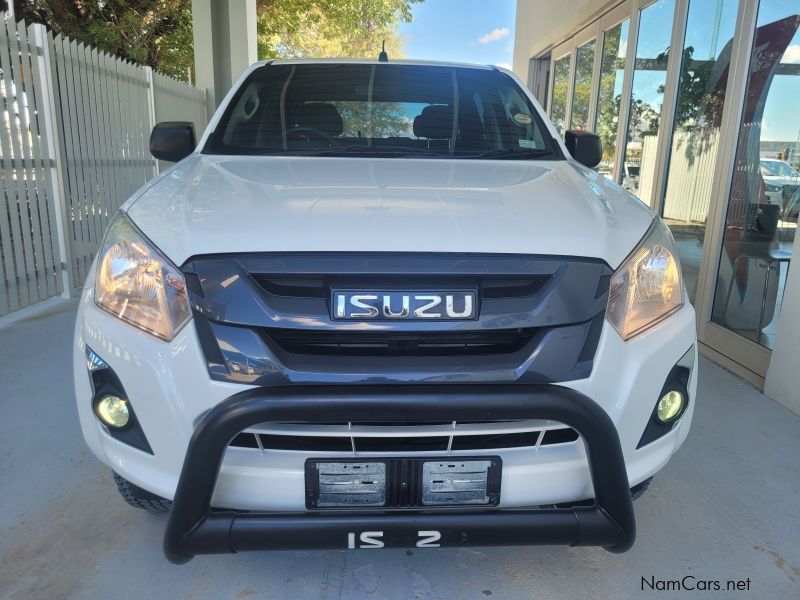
777, 168
381, 110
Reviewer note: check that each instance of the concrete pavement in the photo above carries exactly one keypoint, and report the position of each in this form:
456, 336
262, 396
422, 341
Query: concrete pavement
726, 507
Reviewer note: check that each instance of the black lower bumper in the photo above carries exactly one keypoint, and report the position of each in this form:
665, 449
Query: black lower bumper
194, 528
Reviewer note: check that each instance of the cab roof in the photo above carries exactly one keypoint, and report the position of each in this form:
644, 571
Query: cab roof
367, 61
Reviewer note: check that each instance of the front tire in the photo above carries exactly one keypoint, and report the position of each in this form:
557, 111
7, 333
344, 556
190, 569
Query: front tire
639, 489
139, 498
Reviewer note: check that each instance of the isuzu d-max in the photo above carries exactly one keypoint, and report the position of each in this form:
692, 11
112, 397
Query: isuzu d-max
382, 304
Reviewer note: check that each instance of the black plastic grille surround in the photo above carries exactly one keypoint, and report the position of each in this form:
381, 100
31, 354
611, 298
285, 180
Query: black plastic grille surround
419, 343
317, 286
265, 319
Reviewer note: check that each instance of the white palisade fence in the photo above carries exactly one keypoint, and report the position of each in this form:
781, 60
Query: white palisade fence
74, 143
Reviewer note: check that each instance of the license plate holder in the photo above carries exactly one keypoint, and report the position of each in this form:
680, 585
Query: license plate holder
402, 483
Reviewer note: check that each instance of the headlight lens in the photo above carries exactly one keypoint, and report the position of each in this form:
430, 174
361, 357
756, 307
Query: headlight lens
139, 285
647, 286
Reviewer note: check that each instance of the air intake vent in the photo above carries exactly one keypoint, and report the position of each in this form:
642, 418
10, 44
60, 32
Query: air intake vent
450, 343
320, 286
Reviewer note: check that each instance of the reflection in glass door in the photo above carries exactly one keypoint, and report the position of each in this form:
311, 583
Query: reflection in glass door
647, 96
612, 71
764, 199
582, 86
558, 106
696, 131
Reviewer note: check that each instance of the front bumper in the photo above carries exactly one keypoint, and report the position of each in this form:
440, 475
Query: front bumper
170, 390
193, 528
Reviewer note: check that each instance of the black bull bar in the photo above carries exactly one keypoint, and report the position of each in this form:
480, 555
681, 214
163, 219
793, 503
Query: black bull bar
194, 528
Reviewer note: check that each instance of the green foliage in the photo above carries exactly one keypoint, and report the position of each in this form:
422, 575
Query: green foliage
582, 89
611, 68
701, 99
157, 33
335, 28
558, 106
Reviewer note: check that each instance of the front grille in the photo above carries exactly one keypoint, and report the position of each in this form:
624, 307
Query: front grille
401, 438
309, 286
265, 319
448, 343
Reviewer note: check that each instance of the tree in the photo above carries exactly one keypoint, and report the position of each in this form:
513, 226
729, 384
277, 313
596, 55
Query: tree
558, 106
336, 28
701, 99
582, 87
157, 33
339, 28
611, 70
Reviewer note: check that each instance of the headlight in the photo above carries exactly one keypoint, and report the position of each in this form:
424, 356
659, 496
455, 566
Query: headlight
139, 285
648, 285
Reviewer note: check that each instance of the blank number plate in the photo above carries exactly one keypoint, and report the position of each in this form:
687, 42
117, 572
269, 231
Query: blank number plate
455, 482
403, 483
351, 484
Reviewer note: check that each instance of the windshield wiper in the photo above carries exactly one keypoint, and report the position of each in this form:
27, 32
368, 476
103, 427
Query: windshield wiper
509, 154
411, 151
362, 149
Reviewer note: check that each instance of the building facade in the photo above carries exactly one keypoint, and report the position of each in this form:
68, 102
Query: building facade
696, 103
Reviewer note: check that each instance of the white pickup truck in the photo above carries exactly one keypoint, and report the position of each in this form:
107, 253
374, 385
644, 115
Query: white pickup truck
382, 304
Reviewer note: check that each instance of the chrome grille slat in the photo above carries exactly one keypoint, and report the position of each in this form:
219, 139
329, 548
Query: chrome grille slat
417, 430
387, 438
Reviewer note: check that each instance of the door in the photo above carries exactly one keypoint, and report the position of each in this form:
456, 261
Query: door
614, 35
560, 69
582, 79
539, 78
644, 103
758, 220
696, 129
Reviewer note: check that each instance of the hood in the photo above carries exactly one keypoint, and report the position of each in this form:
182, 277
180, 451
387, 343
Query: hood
781, 180
227, 204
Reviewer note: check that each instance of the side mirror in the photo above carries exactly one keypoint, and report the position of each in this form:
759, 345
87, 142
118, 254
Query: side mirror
172, 140
585, 147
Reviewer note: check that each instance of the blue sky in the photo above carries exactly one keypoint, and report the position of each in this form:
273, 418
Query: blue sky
781, 120
479, 31
482, 31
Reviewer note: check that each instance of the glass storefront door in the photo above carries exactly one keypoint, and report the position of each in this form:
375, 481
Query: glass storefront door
647, 96
703, 77
612, 72
582, 86
727, 178
764, 199
558, 96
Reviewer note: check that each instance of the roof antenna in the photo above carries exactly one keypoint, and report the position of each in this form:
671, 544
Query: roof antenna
383, 57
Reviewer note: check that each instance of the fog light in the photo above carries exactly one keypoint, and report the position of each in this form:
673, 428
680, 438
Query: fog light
113, 411
670, 406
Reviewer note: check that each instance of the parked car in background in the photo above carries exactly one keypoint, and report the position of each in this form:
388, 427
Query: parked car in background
780, 179
630, 176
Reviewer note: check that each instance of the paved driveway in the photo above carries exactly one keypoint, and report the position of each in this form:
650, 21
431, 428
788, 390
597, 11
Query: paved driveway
726, 507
